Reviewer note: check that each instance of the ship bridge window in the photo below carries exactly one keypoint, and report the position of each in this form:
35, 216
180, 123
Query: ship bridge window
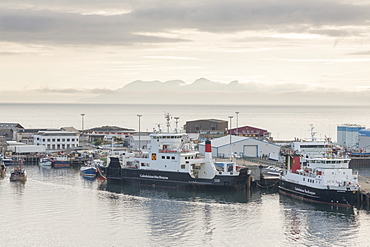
173, 157
168, 157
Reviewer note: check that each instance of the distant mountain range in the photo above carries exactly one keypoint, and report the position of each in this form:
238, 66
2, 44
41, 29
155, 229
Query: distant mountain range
204, 91
201, 91
201, 84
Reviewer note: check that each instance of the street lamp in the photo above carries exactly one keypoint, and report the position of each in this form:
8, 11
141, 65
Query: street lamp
139, 131
230, 117
82, 119
237, 123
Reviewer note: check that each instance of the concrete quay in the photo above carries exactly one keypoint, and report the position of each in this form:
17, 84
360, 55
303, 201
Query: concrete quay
364, 192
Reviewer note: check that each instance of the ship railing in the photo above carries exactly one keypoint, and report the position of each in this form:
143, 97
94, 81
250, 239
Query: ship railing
174, 151
341, 184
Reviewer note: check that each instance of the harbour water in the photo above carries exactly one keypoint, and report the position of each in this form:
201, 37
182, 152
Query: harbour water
57, 207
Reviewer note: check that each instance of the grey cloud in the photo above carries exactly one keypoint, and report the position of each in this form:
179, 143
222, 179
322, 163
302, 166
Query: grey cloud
46, 26
54, 21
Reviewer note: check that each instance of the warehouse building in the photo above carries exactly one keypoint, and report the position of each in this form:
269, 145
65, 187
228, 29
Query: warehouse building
241, 146
348, 135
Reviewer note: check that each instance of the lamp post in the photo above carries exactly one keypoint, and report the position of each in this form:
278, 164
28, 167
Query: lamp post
237, 123
139, 116
230, 117
82, 122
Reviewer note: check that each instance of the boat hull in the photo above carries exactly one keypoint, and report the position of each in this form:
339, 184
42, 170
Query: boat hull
89, 171
322, 196
45, 163
174, 179
61, 164
18, 176
13, 162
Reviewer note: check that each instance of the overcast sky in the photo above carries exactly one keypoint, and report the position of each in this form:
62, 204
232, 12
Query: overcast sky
65, 50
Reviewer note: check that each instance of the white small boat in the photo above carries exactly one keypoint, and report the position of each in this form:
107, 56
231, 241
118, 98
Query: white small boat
45, 162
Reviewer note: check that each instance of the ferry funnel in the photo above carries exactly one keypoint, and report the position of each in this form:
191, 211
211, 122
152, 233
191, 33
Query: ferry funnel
208, 147
296, 163
208, 152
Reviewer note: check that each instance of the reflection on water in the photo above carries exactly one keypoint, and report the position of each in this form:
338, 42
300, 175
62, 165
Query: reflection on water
178, 194
319, 225
62, 207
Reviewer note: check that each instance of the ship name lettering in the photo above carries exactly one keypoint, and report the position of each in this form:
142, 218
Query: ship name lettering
305, 191
153, 176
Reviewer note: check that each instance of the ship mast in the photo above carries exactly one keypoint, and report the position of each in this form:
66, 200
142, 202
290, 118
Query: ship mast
313, 133
168, 118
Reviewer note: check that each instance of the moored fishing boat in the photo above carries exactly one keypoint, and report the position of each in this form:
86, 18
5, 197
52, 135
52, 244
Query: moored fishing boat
45, 162
88, 171
91, 168
15, 161
18, 174
172, 161
61, 161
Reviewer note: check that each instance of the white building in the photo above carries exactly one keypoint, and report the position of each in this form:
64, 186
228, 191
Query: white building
56, 140
347, 135
144, 142
242, 146
364, 140
22, 148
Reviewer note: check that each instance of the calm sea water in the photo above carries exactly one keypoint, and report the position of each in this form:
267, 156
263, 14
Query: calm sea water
284, 122
57, 207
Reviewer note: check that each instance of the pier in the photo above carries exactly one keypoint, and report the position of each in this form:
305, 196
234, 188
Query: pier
258, 178
364, 192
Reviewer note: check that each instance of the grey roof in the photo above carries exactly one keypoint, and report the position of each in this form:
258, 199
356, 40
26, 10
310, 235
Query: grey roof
10, 126
71, 129
225, 141
209, 120
110, 128
56, 133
